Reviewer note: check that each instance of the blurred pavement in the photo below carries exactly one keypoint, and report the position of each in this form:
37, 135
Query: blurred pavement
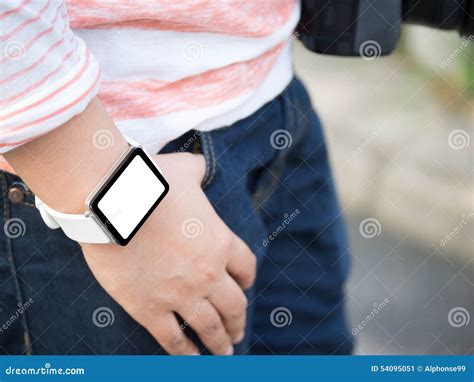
400, 132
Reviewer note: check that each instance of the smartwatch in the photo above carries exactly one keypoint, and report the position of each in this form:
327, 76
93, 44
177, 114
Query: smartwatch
118, 206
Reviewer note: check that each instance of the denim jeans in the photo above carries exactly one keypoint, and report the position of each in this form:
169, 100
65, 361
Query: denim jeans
268, 178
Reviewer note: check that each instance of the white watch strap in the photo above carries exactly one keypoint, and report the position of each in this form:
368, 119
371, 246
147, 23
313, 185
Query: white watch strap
78, 227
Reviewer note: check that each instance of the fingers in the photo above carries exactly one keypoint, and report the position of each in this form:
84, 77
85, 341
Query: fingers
171, 337
208, 325
231, 303
242, 263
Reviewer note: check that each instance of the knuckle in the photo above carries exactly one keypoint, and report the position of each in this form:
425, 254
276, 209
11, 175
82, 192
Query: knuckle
208, 273
242, 302
234, 315
253, 263
179, 286
239, 307
177, 342
252, 267
227, 243
251, 271
213, 327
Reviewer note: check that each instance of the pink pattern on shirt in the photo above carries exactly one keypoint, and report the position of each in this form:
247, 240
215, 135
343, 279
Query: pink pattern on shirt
149, 98
252, 18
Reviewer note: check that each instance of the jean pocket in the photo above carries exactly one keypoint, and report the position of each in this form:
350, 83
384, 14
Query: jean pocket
205, 146
264, 180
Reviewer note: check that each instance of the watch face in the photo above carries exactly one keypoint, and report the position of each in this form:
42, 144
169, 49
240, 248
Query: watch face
129, 196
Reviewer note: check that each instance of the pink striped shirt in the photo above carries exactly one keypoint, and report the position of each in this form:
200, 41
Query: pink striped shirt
166, 66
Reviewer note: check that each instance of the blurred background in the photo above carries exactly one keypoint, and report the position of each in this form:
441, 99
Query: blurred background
400, 132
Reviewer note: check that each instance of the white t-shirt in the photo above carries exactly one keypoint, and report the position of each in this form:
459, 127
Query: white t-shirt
165, 67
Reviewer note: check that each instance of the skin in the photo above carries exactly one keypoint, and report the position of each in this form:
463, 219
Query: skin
163, 271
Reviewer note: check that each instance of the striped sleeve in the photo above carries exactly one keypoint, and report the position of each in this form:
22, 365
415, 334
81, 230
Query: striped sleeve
47, 74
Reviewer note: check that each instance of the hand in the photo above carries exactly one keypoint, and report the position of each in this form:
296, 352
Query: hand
164, 270
184, 260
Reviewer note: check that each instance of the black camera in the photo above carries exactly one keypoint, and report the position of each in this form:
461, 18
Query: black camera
372, 27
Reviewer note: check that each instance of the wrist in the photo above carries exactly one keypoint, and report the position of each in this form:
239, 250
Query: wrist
119, 204
65, 165
68, 193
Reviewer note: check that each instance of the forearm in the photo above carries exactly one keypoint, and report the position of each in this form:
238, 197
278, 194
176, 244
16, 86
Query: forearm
63, 166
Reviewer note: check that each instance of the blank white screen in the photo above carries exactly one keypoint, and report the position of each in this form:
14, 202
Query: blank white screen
131, 197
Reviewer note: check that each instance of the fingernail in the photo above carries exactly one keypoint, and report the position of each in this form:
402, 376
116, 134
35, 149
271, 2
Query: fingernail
230, 350
195, 353
239, 338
